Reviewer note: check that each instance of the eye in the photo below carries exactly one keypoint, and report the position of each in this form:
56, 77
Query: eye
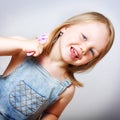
84, 37
92, 52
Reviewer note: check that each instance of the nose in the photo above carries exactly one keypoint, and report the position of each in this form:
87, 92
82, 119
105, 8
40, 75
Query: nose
83, 51
84, 48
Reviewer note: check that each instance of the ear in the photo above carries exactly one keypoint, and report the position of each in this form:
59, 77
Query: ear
64, 29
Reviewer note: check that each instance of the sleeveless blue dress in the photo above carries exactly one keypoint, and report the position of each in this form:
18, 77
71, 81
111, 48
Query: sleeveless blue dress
28, 91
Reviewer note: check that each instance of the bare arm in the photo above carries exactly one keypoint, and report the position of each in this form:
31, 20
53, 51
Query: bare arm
54, 112
16, 45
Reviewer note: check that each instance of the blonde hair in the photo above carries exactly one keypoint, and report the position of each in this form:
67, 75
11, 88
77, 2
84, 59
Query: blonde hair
85, 17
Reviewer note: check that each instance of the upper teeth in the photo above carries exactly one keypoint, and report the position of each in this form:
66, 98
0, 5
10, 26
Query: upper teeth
75, 52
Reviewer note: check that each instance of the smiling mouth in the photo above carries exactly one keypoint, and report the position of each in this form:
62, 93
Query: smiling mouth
74, 54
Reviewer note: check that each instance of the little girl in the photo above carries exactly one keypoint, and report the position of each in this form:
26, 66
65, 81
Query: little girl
39, 81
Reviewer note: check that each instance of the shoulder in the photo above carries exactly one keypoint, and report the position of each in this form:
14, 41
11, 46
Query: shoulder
62, 102
68, 93
70, 90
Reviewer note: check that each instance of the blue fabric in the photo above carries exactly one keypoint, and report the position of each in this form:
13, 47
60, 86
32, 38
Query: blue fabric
28, 91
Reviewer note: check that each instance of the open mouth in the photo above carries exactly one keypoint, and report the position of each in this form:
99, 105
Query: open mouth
74, 54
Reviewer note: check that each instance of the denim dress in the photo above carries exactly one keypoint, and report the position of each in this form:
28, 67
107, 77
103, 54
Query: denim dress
28, 91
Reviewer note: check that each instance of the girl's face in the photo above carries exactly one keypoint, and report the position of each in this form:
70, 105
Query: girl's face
82, 43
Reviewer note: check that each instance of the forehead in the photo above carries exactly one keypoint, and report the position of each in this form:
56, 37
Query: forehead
91, 26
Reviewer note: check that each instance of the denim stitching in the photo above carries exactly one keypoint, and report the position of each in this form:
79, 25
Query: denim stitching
24, 99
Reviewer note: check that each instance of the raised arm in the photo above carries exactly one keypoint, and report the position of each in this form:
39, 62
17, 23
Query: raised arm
15, 45
54, 112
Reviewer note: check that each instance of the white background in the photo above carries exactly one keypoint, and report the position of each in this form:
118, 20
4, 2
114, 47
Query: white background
99, 99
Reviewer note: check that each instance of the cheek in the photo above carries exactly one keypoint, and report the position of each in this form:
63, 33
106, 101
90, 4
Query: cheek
87, 59
69, 39
65, 52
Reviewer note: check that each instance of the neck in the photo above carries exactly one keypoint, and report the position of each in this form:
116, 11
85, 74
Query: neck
52, 65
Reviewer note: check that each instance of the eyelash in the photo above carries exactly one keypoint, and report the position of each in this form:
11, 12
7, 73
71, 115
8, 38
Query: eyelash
91, 50
84, 37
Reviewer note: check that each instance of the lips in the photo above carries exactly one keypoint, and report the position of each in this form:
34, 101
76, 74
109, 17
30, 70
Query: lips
74, 54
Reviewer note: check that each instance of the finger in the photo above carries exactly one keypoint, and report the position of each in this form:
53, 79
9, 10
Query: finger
38, 51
